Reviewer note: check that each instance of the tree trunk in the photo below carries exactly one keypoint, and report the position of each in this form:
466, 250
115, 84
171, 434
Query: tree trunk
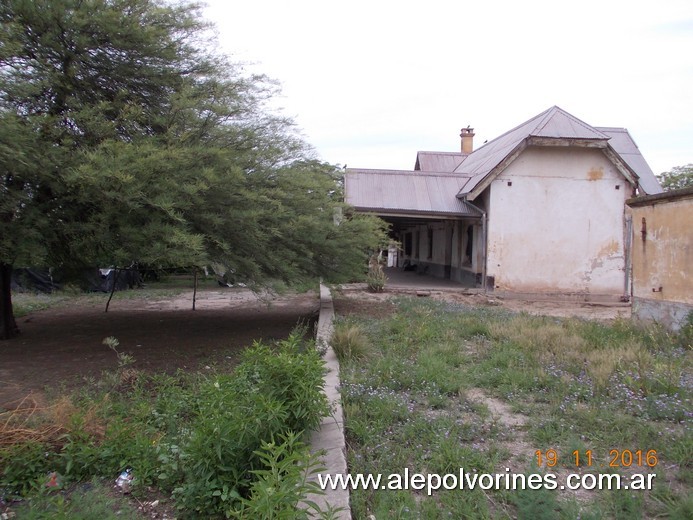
8, 325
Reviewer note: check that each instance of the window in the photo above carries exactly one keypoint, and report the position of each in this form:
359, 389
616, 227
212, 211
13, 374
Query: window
407, 244
430, 243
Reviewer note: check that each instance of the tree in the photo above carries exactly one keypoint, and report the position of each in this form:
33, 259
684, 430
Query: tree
676, 178
123, 138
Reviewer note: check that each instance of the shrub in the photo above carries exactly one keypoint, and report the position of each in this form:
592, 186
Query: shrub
198, 437
349, 342
272, 392
282, 483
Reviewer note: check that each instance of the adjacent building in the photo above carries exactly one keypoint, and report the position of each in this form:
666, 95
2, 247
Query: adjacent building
663, 257
539, 210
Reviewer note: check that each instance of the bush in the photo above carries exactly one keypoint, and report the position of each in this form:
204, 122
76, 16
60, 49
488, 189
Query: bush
282, 483
199, 437
272, 392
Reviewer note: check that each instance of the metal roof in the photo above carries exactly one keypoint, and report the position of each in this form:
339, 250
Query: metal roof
624, 145
439, 161
554, 125
441, 177
398, 192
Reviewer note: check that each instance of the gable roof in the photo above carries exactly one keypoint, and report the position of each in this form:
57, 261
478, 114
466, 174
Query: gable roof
550, 126
554, 127
438, 161
443, 180
401, 192
624, 145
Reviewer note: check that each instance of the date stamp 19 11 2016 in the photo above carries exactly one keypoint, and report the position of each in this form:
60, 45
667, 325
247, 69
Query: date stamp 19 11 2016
587, 458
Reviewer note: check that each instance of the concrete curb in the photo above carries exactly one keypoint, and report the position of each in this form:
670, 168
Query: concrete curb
330, 435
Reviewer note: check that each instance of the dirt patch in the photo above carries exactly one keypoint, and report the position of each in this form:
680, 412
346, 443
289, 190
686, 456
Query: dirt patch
512, 424
355, 299
500, 411
516, 444
61, 347
363, 303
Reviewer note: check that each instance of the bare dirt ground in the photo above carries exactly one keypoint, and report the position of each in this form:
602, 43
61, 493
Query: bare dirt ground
355, 298
62, 346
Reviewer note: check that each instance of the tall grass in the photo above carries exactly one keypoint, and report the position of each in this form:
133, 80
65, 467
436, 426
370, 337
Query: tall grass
582, 385
349, 342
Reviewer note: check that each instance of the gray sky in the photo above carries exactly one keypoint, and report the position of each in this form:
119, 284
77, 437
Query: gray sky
371, 82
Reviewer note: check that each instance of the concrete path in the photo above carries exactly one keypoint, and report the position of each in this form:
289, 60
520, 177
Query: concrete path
330, 436
398, 278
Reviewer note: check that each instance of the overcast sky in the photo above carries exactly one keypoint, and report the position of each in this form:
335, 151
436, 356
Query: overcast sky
371, 82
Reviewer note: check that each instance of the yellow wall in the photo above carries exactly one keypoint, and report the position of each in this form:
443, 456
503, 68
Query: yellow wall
663, 255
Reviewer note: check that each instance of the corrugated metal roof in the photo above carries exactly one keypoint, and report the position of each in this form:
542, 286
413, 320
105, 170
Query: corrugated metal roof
624, 145
432, 188
439, 161
557, 123
407, 193
553, 123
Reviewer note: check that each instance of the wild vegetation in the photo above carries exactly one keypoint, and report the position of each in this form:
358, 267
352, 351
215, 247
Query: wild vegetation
437, 387
225, 444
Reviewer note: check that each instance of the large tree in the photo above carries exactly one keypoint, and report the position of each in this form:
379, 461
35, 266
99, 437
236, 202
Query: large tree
123, 138
676, 178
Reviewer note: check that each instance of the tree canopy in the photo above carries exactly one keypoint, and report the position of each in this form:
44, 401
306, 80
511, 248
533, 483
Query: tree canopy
676, 178
124, 137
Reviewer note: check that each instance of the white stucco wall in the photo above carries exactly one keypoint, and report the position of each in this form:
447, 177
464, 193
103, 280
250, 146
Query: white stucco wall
559, 228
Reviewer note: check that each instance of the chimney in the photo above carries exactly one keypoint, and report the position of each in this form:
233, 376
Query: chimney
467, 135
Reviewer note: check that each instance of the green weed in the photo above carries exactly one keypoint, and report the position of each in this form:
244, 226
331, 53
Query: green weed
582, 385
89, 501
198, 437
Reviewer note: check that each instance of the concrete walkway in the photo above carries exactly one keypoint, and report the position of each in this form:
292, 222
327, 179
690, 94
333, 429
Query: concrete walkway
330, 436
399, 279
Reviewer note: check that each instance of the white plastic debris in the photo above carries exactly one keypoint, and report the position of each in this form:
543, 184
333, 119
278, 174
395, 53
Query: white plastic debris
124, 480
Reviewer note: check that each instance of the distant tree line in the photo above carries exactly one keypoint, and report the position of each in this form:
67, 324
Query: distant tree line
676, 178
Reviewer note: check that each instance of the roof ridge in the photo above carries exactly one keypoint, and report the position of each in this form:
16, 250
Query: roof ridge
556, 109
513, 129
443, 153
545, 120
612, 128
407, 172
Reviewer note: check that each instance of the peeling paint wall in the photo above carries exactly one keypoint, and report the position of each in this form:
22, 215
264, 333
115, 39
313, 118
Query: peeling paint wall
556, 224
662, 260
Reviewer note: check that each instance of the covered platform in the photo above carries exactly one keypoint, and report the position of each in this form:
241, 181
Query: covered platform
399, 279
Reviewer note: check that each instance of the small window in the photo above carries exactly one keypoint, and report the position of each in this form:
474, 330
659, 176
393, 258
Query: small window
430, 243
